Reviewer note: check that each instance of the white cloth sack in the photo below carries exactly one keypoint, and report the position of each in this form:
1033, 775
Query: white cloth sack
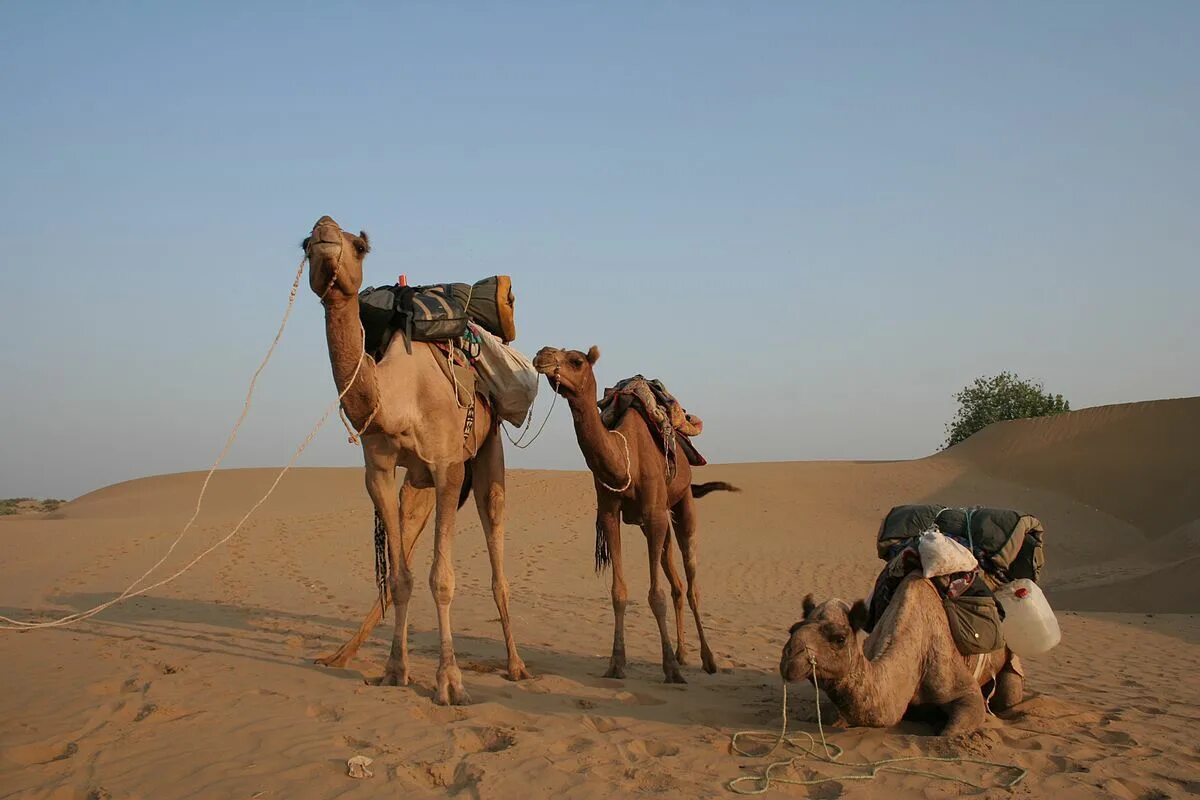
941, 555
507, 377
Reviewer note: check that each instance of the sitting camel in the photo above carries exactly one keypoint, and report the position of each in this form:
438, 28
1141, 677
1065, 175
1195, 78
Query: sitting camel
630, 473
909, 660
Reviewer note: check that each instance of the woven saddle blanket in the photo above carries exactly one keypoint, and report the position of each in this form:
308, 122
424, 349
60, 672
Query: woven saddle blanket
667, 418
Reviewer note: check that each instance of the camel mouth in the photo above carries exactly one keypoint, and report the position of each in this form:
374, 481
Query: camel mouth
546, 361
325, 231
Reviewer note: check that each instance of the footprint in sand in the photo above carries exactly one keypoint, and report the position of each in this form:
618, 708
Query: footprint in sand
641, 749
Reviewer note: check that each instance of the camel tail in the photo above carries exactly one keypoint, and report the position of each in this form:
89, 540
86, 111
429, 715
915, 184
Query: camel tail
603, 557
701, 489
466, 487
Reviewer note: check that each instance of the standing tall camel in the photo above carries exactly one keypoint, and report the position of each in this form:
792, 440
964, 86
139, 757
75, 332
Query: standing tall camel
630, 473
408, 415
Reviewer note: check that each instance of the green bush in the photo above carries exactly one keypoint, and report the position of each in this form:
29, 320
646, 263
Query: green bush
995, 399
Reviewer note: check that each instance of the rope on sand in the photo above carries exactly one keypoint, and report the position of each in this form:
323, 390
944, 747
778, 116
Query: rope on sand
833, 754
133, 590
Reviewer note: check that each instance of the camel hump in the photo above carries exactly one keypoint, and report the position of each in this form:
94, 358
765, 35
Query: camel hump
701, 489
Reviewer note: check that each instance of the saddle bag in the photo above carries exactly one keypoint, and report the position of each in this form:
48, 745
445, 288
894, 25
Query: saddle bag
430, 313
377, 310
490, 304
975, 618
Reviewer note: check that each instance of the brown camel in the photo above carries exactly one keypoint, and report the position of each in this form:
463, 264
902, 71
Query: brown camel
908, 660
630, 473
408, 415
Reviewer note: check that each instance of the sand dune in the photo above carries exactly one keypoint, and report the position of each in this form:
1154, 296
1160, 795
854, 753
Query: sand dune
204, 688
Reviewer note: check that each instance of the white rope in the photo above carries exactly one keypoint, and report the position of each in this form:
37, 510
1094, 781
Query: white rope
132, 590
517, 443
833, 753
628, 470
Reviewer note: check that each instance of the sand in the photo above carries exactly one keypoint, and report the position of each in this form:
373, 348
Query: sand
206, 689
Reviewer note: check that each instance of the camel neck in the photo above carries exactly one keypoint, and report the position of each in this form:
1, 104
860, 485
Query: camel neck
601, 450
866, 693
343, 333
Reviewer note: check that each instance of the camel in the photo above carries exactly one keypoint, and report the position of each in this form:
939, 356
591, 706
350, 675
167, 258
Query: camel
629, 470
408, 415
908, 660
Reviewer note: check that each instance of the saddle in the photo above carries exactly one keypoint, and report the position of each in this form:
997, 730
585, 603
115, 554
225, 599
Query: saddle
668, 420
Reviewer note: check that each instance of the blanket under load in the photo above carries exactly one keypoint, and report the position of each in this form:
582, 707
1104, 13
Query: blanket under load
668, 420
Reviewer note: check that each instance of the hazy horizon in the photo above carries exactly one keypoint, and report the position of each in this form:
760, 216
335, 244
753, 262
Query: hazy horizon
814, 223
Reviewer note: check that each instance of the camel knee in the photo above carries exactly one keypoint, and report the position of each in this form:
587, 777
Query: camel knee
500, 589
658, 601
401, 585
441, 583
1009, 690
495, 502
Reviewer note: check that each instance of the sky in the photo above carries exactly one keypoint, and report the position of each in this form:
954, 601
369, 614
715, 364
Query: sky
814, 221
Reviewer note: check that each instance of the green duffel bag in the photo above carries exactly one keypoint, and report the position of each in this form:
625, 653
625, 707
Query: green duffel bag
974, 623
491, 304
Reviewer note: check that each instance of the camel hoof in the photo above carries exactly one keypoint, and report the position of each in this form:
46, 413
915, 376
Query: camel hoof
390, 678
681, 657
518, 672
615, 671
674, 677
338, 660
710, 666
452, 696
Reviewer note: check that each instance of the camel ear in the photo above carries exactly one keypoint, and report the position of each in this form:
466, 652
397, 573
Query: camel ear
366, 240
859, 614
593, 354
808, 605
304, 244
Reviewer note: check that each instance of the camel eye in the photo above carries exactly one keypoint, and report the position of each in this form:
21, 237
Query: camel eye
838, 640
576, 361
360, 247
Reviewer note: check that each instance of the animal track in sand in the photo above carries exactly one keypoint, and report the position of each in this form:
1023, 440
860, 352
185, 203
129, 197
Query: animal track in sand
640, 749
323, 712
638, 699
468, 741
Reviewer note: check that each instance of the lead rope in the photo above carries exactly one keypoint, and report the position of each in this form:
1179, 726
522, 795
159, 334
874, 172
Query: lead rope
517, 443
766, 780
10, 624
628, 470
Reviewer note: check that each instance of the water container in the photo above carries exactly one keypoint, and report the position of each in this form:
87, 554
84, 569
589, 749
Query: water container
1030, 627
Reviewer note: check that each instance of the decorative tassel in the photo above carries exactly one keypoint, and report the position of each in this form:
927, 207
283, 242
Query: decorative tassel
381, 561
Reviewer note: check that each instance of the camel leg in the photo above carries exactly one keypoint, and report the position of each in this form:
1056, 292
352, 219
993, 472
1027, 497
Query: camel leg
608, 520
1010, 684
448, 480
673, 578
415, 507
655, 527
685, 533
489, 497
964, 714
381, 485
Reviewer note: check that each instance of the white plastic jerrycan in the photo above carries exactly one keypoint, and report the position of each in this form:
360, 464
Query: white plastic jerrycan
1030, 627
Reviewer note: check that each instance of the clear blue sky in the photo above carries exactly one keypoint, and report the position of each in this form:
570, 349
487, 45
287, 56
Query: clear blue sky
814, 221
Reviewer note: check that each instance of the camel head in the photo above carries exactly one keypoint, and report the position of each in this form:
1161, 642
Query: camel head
829, 634
335, 260
569, 371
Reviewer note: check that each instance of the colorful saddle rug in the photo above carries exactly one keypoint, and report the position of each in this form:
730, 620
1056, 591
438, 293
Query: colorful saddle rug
668, 420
